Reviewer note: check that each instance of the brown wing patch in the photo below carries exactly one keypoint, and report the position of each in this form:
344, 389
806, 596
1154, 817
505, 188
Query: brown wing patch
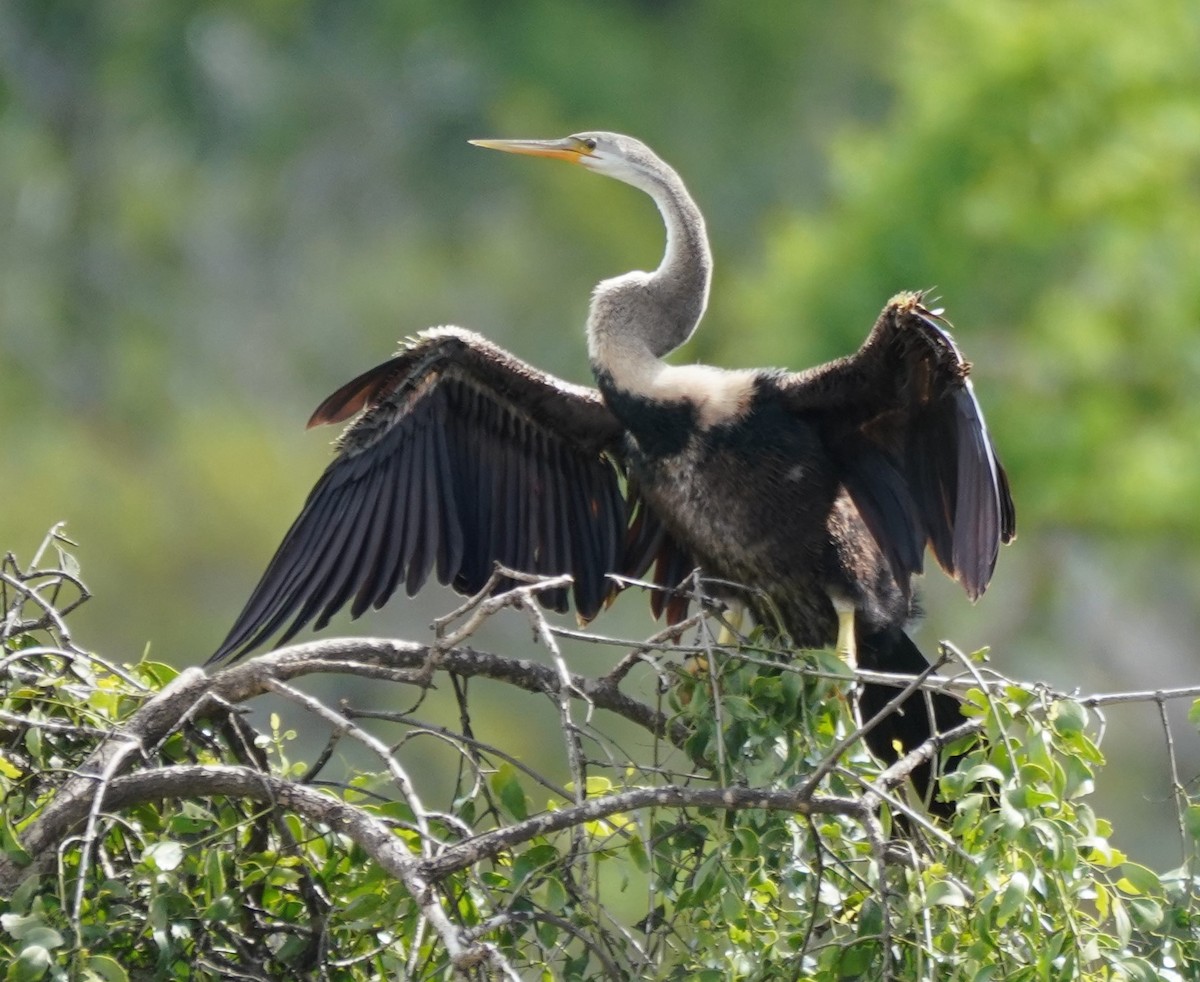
358, 394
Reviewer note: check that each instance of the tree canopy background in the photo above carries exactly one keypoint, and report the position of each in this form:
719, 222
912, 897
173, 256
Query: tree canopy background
216, 213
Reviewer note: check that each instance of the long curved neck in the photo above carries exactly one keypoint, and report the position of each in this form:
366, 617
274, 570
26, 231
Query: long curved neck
637, 318
682, 279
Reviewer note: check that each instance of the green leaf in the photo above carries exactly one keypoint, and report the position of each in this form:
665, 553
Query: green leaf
731, 906
8, 769
1069, 717
19, 925
984, 772
360, 912
1037, 775
1139, 970
1051, 838
1100, 851
1146, 913
507, 787
556, 895
532, 860
945, 893
33, 743
1136, 879
856, 959
975, 703
23, 895
1121, 920
793, 687
1013, 898
1011, 818
43, 936
595, 785
870, 919
164, 856
107, 968
1191, 819
30, 965
157, 673
1079, 781
214, 872
708, 877
637, 852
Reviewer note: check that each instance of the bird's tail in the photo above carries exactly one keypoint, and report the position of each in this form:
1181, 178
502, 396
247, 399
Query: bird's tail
891, 650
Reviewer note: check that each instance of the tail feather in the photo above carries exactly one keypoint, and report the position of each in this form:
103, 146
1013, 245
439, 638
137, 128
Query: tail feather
891, 650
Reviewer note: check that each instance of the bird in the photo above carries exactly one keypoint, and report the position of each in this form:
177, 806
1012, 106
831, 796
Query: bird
816, 493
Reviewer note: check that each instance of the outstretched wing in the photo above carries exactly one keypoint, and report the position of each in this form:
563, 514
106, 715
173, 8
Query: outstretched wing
901, 419
464, 456
647, 544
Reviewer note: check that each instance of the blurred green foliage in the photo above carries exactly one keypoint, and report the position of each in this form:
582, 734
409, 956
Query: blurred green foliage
215, 213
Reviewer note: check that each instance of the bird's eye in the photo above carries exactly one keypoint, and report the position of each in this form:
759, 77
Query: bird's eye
590, 143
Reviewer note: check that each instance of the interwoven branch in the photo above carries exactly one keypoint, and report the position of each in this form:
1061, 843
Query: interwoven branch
435, 855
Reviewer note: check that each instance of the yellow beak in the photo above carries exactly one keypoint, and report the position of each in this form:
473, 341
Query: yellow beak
569, 149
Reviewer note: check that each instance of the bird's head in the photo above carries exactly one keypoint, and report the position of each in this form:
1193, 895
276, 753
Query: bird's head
653, 312
611, 154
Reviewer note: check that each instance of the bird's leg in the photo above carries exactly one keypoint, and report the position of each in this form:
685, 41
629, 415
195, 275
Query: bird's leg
847, 650
846, 647
731, 624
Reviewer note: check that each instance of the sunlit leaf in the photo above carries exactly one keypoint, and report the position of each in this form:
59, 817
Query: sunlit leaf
107, 968
31, 964
164, 856
1069, 717
1137, 879
1147, 913
8, 769
1013, 898
507, 786
945, 893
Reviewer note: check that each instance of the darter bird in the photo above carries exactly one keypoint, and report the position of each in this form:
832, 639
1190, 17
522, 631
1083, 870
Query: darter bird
817, 490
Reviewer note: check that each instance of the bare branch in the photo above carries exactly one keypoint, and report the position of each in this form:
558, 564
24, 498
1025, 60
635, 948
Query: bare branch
192, 690
491, 844
396, 660
835, 755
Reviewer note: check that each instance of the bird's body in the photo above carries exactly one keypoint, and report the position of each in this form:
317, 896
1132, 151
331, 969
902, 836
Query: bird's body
817, 491
696, 475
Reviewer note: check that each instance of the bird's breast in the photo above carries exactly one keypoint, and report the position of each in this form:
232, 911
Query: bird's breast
747, 496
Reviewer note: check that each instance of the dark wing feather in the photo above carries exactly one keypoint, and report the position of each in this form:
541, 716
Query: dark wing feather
462, 457
649, 544
901, 420
887, 504
387, 543
422, 514
450, 544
